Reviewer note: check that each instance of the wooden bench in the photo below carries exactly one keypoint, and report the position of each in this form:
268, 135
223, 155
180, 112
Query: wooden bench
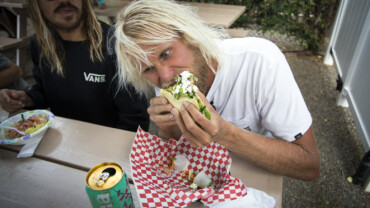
214, 14
21, 4
13, 43
237, 33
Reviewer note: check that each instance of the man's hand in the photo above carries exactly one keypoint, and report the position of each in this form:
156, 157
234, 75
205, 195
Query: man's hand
196, 127
160, 113
13, 100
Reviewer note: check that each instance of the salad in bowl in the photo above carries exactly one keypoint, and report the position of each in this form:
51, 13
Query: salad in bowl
26, 126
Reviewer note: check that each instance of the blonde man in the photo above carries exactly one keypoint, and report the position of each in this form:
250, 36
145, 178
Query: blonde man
259, 112
73, 70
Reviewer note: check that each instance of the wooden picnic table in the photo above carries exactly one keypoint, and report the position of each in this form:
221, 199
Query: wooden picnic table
215, 14
70, 148
22, 4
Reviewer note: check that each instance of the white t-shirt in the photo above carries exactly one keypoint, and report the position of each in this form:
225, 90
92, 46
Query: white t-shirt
255, 90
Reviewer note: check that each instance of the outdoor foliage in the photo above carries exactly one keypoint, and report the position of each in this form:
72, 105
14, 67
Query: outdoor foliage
308, 20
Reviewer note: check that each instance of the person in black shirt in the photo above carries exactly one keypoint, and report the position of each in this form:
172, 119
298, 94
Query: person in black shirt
74, 71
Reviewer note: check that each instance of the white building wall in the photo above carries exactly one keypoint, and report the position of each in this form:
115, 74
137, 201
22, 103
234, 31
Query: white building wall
350, 28
349, 50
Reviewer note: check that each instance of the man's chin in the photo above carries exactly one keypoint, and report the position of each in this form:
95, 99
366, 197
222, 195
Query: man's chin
68, 25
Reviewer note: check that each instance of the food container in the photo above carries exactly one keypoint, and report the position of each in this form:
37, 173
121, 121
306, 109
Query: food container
107, 186
28, 137
158, 183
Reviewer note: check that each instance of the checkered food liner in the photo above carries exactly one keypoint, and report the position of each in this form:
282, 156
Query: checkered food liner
155, 188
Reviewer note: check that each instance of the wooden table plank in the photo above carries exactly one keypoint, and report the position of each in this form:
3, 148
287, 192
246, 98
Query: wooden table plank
258, 178
14, 3
218, 14
84, 145
9, 43
224, 9
215, 14
31, 182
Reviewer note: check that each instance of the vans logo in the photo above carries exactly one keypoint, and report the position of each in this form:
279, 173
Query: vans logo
298, 136
90, 77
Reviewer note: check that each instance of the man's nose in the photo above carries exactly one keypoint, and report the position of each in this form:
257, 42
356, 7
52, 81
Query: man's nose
165, 74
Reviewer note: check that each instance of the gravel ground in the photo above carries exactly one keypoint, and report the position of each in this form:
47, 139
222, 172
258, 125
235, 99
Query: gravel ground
340, 147
336, 135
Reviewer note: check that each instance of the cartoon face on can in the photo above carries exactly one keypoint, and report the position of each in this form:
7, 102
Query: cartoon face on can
107, 186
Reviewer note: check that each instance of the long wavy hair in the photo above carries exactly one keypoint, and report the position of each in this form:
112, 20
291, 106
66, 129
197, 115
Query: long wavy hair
150, 22
52, 48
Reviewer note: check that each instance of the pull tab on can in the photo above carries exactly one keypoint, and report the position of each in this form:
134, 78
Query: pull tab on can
102, 178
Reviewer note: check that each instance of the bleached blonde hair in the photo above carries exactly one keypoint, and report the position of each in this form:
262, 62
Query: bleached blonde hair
151, 22
51, 48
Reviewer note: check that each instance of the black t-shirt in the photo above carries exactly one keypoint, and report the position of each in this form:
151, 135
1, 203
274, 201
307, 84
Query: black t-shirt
88, 90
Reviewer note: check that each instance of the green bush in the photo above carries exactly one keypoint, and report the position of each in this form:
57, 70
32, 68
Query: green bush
307, 20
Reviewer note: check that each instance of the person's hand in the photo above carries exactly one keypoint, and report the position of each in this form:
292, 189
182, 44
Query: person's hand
12, 100
196, 127
160, 113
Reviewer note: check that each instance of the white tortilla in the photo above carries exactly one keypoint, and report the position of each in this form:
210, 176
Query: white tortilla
178, 103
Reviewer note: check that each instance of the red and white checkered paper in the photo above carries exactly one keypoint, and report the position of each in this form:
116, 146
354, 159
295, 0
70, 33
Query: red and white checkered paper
156, 189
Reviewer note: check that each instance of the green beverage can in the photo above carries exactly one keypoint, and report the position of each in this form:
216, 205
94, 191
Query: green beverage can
107, 186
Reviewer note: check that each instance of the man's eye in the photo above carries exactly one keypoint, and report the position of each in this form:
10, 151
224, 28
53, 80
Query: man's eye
165, 54
148, 69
